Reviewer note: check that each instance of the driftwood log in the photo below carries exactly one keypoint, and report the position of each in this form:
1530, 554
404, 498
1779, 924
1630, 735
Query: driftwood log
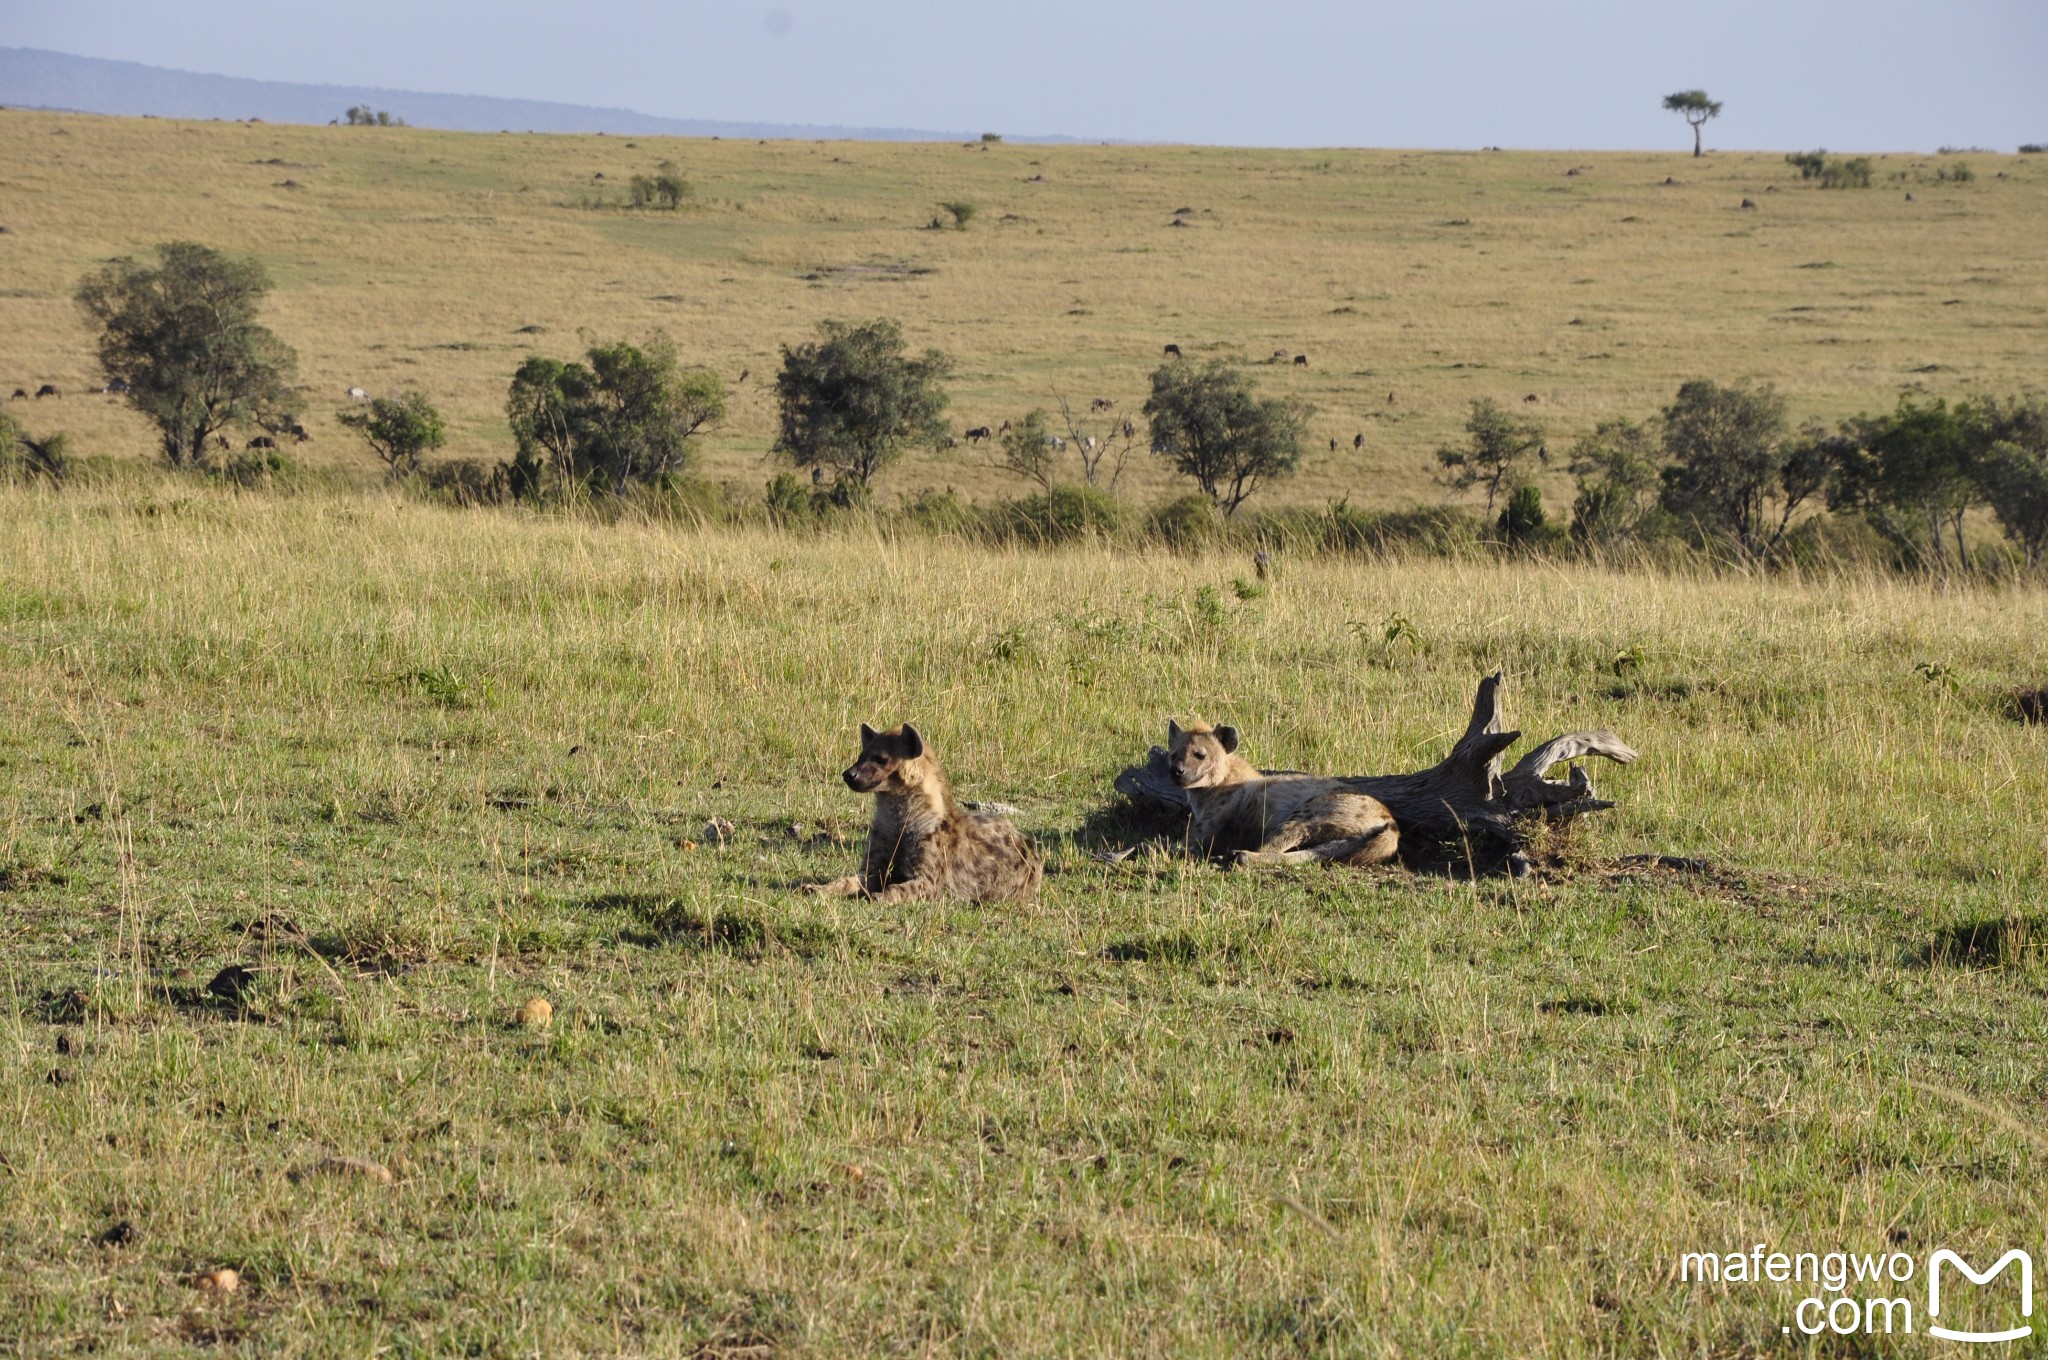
1465, 792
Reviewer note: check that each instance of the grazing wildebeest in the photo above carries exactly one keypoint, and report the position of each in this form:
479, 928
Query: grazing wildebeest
118, 386
1279, 355
1301, 359
817, 476
978, 433
358, 394
744, 372
298, 433
1102, 404
1358, 440
951, 443
1130, 430
1532, 398
1333, 443
262, 441
1173, 351
1004, 429
20, 394
48, 390
1088, 443
1390, 398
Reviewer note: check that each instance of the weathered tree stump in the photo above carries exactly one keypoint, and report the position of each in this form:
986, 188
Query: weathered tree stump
1463, 793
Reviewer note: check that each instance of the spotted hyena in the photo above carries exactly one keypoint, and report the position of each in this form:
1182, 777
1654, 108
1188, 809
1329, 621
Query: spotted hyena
923, 846
1272, 819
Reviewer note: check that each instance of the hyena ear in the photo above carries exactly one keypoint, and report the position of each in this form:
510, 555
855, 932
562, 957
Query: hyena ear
913, 744
1228, 736
867, 734
1172, 732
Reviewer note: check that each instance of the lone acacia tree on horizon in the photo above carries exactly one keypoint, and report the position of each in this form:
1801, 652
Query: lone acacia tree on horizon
1696, 109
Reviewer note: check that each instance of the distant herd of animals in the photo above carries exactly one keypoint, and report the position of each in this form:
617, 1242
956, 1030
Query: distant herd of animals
924, 846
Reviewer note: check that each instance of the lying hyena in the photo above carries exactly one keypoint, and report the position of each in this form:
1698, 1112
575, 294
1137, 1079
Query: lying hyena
1272, 819
922, 845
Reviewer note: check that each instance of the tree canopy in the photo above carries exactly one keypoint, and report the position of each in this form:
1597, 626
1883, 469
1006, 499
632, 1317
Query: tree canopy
1213, 427
1696, 109
399, 429
626, 416
1497, 444
854, 398
183, 337
1734, 476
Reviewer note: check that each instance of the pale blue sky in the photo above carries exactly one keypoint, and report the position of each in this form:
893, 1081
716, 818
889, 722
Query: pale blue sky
1864, 75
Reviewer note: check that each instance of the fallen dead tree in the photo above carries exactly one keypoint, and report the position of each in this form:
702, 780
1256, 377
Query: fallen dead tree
1463, 795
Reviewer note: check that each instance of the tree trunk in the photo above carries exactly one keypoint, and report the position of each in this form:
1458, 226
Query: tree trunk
1696, 152
1462, 793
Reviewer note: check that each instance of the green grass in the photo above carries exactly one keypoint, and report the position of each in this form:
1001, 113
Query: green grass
415, 767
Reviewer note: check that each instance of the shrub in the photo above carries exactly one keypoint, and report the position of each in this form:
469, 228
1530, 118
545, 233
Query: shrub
962, 212
1061, 514
2033, 148
1959, 173
1849, 174
940, 512
1185, 523
467, 482
1810, 163
1522, 522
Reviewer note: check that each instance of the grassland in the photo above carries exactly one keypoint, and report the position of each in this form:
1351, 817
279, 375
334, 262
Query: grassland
415, 766
413, 257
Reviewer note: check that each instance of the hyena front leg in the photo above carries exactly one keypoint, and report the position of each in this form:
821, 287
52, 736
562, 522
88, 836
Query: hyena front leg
1372, 846
849, 886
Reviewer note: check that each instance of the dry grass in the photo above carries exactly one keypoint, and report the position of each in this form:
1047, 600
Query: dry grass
407, 256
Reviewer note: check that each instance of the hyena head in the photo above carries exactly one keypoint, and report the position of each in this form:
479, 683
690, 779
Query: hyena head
1199, 756
890, 762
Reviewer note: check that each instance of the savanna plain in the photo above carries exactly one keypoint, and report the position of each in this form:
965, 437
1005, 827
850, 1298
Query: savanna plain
412, 767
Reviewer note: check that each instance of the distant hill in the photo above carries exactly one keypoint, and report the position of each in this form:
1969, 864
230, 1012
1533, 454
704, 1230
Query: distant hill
33, 78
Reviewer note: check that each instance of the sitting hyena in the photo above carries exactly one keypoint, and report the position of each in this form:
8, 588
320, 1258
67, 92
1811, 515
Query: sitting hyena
922, 845
1272, 819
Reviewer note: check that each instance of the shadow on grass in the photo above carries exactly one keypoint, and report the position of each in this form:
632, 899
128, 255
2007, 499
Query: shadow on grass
1995, 942
658, 919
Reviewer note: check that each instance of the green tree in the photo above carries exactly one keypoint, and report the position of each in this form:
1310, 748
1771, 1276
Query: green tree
1497, 446
625, 417
1029, 449
2012, 469
183, 337
399, 429
1210, 423
1696, 109
1734, 476
853, 399
1615, 469
1522, 520
1912, 474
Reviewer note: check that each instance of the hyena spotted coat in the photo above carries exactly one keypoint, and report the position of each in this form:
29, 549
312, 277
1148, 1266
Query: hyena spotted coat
1255, 818
922, 846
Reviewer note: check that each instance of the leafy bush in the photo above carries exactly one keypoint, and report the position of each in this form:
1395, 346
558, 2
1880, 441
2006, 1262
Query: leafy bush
665, 188
1185, 523
1522, 521
962, 212
1810, 163
1849, 174
1061, 514
1959, 173
467, 482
